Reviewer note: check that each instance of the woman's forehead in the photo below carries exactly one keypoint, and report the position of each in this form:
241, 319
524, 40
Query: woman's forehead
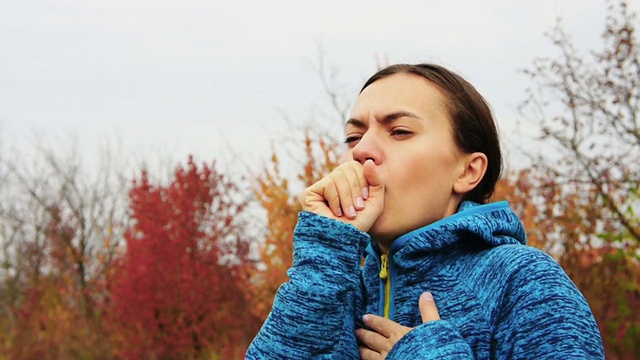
398, 93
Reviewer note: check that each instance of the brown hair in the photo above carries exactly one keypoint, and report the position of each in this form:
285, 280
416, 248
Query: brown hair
474, 129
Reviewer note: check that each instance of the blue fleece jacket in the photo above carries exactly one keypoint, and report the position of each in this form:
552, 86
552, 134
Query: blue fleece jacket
497, 298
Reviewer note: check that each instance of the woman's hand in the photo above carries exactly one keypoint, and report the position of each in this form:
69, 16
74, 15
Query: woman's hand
353, 193
384, 334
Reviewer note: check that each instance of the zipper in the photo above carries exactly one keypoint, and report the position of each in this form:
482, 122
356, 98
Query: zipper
385, 276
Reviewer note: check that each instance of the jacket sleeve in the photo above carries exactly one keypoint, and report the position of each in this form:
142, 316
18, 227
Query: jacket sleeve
544, 315
432, 340
313, 314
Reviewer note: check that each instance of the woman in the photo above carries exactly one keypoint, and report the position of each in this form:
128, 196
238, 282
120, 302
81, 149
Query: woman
423, 159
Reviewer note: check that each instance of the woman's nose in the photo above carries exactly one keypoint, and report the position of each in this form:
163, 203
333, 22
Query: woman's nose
367, 148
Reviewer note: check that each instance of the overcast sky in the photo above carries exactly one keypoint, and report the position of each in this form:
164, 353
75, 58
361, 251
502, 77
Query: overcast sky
202, 77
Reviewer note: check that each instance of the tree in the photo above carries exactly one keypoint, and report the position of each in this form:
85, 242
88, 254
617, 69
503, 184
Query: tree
177, 291
588, 111
587, 108
59, 228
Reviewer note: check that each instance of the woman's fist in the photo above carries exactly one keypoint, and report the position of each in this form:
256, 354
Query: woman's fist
353, 193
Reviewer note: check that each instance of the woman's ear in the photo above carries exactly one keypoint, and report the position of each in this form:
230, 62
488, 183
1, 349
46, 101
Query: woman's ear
474, 170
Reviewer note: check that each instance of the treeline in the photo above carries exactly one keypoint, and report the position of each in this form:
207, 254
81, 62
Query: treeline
96, 264
101, 267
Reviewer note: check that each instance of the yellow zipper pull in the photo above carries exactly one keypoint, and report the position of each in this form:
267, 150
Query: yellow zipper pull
384, 266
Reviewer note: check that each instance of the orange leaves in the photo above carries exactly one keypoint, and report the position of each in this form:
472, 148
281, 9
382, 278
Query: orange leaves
275, 196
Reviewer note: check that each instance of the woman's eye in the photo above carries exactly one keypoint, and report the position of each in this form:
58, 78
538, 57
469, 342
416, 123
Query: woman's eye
352, 140
400, 133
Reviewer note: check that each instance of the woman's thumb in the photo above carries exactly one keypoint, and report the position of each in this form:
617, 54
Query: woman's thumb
372, 176
428, 309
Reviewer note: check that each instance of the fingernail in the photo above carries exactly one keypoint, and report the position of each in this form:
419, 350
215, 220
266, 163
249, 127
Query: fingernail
427, 296
352, 211
365, 318
365, 193
360, 202
339, 211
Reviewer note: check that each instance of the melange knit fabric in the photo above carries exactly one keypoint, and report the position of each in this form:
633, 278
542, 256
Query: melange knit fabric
497, 298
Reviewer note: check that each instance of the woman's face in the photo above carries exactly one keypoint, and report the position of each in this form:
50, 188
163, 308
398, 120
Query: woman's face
401, 122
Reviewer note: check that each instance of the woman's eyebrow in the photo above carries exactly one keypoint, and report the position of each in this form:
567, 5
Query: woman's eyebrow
390, 118
385, 120
355, 123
